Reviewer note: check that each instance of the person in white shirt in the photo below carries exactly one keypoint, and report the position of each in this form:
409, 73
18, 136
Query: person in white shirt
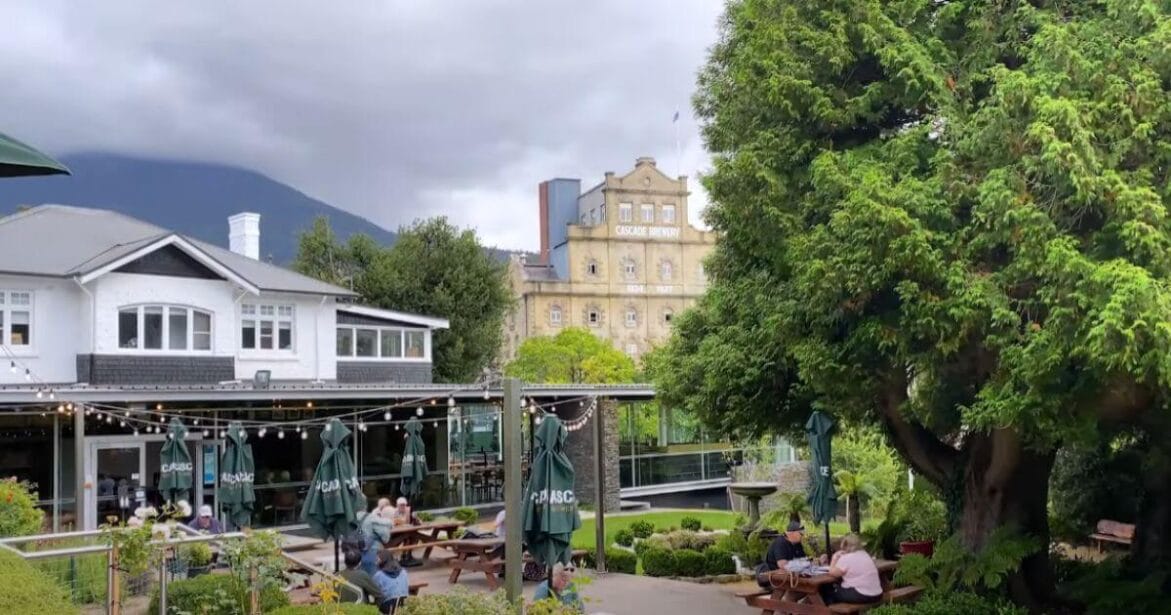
859, 583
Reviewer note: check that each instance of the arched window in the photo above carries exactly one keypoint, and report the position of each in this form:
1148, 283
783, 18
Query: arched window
631, 317
629, 269
666, 271
555, 315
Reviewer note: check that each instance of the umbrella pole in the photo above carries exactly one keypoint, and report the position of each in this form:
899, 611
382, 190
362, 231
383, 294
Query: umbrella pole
336, 567
827, 547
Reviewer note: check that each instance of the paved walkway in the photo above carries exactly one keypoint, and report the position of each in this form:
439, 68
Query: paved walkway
611, 594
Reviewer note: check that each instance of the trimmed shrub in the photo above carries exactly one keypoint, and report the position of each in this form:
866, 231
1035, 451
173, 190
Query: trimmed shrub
950, 603
658, 563
642, 529
685, 539
425, 516
620, 560
345, 608
689, 563
750, 549
215, 594
624, 537
458, 600
654, 542
707, 528
691, 523
466, 515
718, 561
29, 591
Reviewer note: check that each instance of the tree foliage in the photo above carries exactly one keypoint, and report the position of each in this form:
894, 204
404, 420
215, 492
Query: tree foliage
574, 355
947, 217
434, 268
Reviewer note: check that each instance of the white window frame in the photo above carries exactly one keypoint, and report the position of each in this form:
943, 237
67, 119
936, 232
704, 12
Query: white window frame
626, 213
629, 269
666, 271
555, 315
6, 310
385, 330
631, 317
667, 214
647, 213
274, 313
594, 317
140, 334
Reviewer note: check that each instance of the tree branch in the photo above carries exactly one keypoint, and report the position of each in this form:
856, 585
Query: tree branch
926, 453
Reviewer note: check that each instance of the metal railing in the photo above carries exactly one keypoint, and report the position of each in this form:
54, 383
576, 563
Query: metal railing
91, 574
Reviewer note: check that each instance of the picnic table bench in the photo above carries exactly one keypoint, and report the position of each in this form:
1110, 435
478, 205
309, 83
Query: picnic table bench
1112, 531
793, 594
478, 554
426, 536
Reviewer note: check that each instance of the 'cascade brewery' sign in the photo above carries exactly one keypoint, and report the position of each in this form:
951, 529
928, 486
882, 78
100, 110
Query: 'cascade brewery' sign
179, 466
653, 232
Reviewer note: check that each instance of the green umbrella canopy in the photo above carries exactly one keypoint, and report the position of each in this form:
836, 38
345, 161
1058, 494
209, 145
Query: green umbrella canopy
175, 464
335, 497
550, 507
414, 467
237, 475
822, 496
19, 160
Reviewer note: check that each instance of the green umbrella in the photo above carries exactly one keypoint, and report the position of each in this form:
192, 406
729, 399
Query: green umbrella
822, 496
19, 160
175, 464
335, 498
550, 507
414, 468
237, 474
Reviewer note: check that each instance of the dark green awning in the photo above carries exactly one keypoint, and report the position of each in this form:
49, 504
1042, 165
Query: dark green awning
19, 160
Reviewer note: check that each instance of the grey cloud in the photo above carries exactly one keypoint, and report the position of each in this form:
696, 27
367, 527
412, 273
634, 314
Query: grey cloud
394, 110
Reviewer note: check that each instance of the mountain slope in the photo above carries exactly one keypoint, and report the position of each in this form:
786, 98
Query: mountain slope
191, 198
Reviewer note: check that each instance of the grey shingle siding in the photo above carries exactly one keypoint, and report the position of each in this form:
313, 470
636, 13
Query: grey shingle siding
127, 369
383, 371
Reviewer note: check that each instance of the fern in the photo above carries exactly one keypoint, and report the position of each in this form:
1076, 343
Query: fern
955, 568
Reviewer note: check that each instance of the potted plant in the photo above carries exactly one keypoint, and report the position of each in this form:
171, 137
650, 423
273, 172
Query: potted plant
198, 557
925, 524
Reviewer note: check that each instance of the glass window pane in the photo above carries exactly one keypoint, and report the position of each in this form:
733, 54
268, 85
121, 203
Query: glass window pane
2, 338
200, 330
367, 342
392, 343
345, 342
248, 334
128, 328
19, 298
285, 310
152, 327
285, 335
267, 310
19, 328
415, 344
266, 334
177, 328
248, 309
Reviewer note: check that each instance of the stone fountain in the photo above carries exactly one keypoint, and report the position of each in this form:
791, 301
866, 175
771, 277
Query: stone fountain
753, 493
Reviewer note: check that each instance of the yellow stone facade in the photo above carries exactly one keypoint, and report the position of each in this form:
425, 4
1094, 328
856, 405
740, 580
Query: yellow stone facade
634, 262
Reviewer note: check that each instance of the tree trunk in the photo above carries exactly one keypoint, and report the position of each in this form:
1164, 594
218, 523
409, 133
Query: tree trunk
854, 514
1005, 484
1151, 549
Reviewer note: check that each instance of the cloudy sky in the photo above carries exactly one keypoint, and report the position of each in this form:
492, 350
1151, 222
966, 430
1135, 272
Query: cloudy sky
392, 109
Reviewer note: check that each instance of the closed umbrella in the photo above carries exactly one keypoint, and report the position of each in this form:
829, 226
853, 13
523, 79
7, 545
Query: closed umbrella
550, 507
822, 496
237, 475
414, 468
19, 160
175, 464
335, 498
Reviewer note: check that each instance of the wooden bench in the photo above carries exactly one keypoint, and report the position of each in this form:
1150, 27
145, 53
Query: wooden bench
1112, 531
891, 596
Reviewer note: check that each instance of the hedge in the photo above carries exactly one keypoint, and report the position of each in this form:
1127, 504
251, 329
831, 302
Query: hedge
29, 591
467, 515
624, 537
717, 561
223, 593
617, 560
317, 609
658, 563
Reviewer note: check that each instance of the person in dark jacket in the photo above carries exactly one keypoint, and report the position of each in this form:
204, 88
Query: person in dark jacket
354, 575
786, 548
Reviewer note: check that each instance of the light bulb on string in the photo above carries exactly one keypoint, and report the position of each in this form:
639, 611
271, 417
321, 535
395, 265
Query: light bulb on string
52, 395
396, 426
386, 415
28, 375
195, 422
13, 368
135, 432
69, 406
262, 432
326, 427
206, 434
450, 402
361, 426
304, 435
121, 423
280, 433
158, 406
419, 411
309, 404
486, 395
523, 402
40, 394
298, 429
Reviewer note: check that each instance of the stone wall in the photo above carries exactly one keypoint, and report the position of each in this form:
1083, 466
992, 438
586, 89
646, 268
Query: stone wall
579, 446
163, 369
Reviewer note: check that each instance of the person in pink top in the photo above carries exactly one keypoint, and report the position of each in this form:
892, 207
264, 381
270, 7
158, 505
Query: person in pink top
859, 576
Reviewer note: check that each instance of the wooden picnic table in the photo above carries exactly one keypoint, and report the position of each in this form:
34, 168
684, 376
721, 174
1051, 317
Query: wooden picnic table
422, 535
795, 594
475, 554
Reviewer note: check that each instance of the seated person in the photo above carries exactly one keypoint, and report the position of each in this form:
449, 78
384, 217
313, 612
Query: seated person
784, 549
355, 575
391, 578
373, 532
206, 522
563, 588
383, 507
402, 513
860, 583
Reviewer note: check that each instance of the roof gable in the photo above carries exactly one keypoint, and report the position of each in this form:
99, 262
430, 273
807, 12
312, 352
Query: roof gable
169, 261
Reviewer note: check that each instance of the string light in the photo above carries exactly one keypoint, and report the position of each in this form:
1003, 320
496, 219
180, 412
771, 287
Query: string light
40, 394
304, 435
280, 433
135, 432
262, 432
419, 411
386, 415
28, 375
309, 404
450, 402
13, 368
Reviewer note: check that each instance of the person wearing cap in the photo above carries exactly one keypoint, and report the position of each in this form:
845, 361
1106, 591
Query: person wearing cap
402, 515
563, 588
784, 549
206, 522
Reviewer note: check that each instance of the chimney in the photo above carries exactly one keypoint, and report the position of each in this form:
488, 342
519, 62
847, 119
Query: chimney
244, 234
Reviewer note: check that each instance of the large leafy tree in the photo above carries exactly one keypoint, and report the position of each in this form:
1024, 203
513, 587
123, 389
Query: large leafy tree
433, 268
946, 217
574, 355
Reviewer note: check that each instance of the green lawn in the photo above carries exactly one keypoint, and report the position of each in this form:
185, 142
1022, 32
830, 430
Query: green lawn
583, 538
